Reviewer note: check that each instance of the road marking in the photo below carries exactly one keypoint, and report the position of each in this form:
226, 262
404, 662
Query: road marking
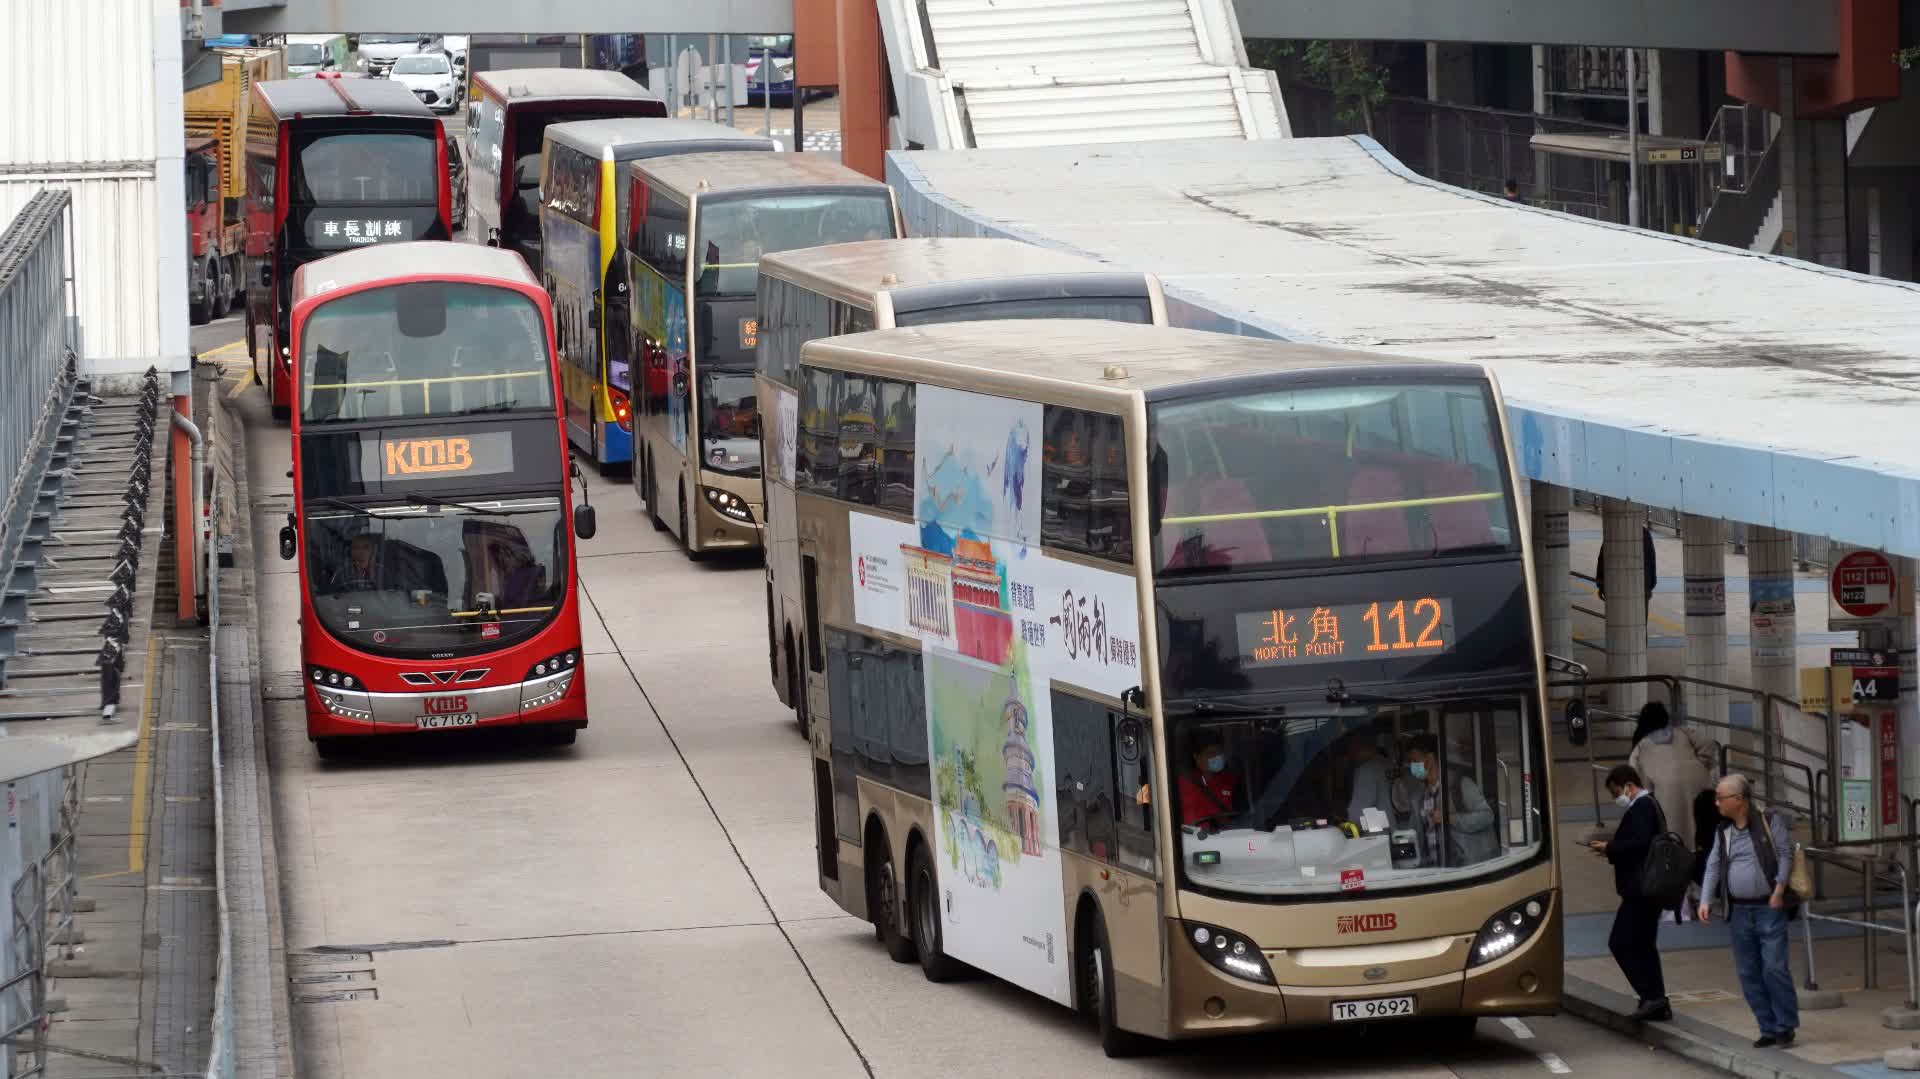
223, 349
240, 385
1555, 1064
1520, 1030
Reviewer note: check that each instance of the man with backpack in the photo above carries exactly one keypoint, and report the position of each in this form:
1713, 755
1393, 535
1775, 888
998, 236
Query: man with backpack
1749, 869
1636, 925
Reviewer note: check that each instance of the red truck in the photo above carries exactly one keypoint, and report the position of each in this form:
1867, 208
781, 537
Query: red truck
216, 236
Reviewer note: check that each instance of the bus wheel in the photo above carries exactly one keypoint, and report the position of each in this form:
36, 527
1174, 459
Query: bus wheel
330, 749
1451, 1029
883, 897
923, 894
686, 536
796, 692
1096, 990
653, 497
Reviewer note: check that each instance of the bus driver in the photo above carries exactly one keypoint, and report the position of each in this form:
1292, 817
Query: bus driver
1207, 789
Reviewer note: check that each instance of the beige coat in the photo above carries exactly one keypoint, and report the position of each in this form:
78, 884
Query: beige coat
1675, 764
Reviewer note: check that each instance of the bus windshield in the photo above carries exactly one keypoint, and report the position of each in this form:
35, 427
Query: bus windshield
366, 167
1115, 309
423, 348
1353, 471
729, 422
1317, 798
437, 580
734, 233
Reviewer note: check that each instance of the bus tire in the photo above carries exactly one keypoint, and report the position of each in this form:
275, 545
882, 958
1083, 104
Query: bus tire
796, 693
1451, 1029
883, 896
1096, 990
686, 534
330, 749
923, 893
653, 497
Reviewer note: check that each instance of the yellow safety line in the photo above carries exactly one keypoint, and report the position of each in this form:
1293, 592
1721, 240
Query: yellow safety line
246, 379
223, 349
1662, 621
1322, 511
142, 766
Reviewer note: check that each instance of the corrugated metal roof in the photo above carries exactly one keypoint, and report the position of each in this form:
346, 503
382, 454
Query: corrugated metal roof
1642, 366
78, 85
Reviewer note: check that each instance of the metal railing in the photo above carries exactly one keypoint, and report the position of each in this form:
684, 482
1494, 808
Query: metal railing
117, 629
38, 368
1866, 863
220, 1055
1773, 788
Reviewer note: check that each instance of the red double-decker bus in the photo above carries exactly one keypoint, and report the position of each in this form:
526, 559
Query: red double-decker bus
332, 165
432, 497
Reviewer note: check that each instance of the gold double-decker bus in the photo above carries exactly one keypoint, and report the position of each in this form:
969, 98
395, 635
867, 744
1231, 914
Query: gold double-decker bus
696, 228
1197, 685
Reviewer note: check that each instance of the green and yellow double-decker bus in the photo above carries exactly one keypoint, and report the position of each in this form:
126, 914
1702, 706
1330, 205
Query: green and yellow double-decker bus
582, 207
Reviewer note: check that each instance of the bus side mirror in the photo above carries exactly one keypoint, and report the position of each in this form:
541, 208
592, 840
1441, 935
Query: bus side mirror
584, 525
1577, 722
287, 542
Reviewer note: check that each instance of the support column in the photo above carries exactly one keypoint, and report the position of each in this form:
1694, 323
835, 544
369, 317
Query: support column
1705, 561
1770, 605
1551, 504
863, 91
1905, 639
1624, 566
1542, 166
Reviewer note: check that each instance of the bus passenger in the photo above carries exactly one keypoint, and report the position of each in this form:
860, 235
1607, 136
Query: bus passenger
1207, 789
1371, 786
1461, 813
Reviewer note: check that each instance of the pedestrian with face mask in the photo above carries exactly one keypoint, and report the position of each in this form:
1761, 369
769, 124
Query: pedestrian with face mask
1636, 925
1207, 789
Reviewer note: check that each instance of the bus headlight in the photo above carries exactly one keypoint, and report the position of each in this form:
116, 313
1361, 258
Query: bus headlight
1509, 929
549, 680
1229, 952
341, 694
729, 505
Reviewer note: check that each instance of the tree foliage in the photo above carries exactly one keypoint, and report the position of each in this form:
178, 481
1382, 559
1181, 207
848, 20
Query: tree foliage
1344, 69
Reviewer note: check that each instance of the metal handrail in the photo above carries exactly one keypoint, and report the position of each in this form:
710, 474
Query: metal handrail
1864, 863
220, 1051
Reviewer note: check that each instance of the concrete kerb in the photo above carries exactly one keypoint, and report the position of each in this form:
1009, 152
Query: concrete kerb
1698, 1042
264, 1042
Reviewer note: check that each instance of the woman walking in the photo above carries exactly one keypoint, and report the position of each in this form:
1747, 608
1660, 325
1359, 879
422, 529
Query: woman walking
1676, 766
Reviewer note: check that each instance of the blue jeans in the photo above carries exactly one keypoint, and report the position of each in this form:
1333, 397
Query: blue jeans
1760, 957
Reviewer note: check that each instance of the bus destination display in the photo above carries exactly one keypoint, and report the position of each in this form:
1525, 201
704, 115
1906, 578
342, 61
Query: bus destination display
1383, 629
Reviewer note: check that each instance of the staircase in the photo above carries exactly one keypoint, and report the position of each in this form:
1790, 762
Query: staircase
1009, 73
1745, 209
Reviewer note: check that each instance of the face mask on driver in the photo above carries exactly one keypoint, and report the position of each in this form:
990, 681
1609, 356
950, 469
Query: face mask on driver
1217, 763
1417, 769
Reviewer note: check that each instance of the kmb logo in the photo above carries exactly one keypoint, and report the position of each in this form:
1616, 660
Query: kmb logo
453, 706
418, 455
1366, 923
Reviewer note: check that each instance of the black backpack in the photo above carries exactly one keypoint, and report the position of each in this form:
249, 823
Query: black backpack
1668, 870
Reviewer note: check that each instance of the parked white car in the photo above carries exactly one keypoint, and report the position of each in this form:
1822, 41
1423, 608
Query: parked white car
430, 76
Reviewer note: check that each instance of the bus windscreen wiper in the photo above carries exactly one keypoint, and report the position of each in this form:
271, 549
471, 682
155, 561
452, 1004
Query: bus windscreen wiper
431, 500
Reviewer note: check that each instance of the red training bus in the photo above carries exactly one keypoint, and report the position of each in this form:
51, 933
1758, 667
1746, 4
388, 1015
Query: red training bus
432, 496
332, 164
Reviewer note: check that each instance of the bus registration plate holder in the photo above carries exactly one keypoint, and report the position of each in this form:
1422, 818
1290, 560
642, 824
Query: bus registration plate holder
1347, 1011
461, 719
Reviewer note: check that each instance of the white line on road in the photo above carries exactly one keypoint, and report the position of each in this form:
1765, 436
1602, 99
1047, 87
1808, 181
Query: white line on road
1555, 1064
1520, 1030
